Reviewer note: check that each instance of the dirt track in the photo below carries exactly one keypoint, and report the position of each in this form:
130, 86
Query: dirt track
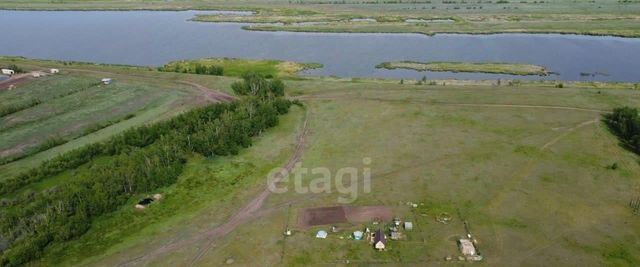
14, 80
250, 211
211, 95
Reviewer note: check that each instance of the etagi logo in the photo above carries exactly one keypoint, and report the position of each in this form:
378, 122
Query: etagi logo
346, 180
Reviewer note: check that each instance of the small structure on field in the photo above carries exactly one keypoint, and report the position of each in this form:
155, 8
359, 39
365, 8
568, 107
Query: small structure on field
357, 235
321, 234
396, 221
144, 203
408, 226
379, 240
466, 247
8, 72
54, 71
36, 74
287, 232
106, 81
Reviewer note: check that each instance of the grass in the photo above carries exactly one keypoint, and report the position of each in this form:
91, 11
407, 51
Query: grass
533, 186
73, 109
502, 68
236, 67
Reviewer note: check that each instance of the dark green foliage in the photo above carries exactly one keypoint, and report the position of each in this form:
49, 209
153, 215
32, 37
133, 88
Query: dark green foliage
15, 68
625, 123
136, 161
196, 69
257, 85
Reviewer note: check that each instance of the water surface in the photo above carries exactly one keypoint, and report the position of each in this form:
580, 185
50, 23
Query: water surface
156, 37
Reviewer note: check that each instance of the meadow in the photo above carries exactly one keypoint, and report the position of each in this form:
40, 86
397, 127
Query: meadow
525, 164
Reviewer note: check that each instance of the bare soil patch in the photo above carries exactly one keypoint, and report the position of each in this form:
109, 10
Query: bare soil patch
343, 214
14, 80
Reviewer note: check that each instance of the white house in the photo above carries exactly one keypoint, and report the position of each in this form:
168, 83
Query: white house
8, 72
54, 71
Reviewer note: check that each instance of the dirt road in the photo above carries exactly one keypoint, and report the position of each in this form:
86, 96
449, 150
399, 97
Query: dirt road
14, 80
250, 211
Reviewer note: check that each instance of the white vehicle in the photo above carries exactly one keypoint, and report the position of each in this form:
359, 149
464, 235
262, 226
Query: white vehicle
8, 72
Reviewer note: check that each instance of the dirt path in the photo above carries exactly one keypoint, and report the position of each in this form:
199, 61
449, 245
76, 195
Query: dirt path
209, 94
485, 105
525, 171
250, 211
14, 80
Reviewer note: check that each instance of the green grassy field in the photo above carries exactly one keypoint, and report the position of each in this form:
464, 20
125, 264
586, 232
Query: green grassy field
525, 164
502, 68
603, 17
76, 109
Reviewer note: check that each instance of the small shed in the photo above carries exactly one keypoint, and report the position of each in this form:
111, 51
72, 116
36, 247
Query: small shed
321, 234
54, 71
396, 221
8, 72
408, 226
379, 240
106, 81
466, 247
357, 235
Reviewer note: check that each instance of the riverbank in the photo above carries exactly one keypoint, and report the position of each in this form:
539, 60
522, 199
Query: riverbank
499, 68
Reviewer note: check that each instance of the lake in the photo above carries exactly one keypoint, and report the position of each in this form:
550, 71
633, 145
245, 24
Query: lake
157, 37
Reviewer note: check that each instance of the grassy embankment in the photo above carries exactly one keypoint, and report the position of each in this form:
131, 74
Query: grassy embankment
500, 68
608, 17
236, 67
499, 158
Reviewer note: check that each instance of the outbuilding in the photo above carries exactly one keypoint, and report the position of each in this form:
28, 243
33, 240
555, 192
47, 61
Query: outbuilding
106, 81
8, 72
408, 226
321, 234
357, 235
379, 240
54, 71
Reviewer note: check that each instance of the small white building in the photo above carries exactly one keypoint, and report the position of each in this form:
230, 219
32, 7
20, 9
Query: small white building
408, 226
8, 72
466, 247
106, 81
321, 234
357, 235
54, 71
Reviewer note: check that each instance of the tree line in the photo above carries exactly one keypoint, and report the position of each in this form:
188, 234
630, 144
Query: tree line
625, 123
137, 161
196, 68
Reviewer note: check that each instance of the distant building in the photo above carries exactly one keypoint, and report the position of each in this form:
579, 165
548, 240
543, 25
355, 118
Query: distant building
379, 240
54, 71
8, 72
106, 81
321, 234
466, 247
357, 235
408, 226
